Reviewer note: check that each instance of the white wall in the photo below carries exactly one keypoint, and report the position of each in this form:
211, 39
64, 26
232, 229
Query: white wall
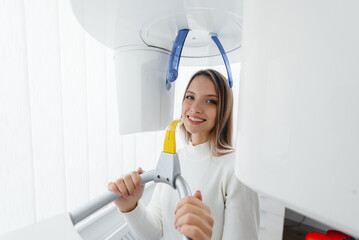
59, 141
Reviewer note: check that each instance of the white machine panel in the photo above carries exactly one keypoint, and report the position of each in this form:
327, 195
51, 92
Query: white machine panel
299, 113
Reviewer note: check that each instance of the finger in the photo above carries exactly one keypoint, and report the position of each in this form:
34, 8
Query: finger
135, 176
140, 171
188, 200
190, 208
204, 223
129, 184
113, 188
193, 232
198, 195
192, 201
122, 187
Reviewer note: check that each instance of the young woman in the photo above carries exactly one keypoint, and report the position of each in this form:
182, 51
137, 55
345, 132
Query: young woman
222, 207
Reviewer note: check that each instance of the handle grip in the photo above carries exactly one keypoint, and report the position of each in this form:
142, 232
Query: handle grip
183, 190
101, 201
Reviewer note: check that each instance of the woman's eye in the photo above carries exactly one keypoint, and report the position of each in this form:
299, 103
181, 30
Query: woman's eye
211, 101
189, 97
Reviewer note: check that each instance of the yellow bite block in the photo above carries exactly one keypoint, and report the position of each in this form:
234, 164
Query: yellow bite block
169, 145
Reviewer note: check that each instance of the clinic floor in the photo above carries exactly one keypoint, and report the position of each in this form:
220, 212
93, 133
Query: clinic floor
295, 231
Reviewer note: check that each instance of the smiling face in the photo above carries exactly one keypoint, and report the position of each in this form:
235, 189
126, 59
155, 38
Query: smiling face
199, 108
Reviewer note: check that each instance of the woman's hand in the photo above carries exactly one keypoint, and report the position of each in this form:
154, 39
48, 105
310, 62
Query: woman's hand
130, 187
193, 218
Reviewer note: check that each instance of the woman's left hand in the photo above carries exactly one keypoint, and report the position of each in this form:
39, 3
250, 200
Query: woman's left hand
193, 218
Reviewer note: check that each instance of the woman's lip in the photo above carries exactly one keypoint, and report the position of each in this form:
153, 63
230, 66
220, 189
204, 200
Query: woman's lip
192, 116
194, 122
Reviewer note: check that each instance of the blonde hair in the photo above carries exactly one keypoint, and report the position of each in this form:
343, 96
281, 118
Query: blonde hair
220, 138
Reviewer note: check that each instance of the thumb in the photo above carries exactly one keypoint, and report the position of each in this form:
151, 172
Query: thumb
198, 195
139, 170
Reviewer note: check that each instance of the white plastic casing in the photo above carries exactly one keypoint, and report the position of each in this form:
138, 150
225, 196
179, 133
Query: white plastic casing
299, 107
142, 34
144, 103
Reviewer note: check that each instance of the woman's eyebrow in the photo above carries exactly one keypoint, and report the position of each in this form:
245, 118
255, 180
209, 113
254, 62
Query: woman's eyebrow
208, 95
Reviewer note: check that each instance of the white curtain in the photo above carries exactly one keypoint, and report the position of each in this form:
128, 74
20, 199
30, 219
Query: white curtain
59, 140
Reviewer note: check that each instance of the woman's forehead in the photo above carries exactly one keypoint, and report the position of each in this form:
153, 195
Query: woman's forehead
202, 85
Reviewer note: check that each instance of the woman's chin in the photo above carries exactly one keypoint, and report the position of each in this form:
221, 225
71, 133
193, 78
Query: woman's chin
194, 129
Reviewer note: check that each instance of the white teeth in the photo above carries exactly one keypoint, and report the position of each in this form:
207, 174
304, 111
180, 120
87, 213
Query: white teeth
196, 119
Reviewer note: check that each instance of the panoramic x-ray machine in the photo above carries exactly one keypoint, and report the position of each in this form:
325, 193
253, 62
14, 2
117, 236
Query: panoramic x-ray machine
148, 49
298, 129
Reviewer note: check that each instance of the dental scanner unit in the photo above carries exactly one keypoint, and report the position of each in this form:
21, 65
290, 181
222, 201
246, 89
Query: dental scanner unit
298, 130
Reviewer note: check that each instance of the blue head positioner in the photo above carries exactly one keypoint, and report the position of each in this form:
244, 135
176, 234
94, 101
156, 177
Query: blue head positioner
172, 71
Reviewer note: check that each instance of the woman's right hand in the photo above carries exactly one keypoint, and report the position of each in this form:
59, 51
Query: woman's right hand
193, 218
130, 187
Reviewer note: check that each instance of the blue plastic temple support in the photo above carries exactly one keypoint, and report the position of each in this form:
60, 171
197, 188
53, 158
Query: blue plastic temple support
172, 71
214, 37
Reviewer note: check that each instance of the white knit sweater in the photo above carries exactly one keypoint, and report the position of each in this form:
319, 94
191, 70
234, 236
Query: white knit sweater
234, 207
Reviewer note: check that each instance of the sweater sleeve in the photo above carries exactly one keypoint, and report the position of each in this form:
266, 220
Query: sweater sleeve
241, 215
146, 222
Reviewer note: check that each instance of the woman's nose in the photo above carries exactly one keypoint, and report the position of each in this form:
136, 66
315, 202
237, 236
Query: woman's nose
196, 107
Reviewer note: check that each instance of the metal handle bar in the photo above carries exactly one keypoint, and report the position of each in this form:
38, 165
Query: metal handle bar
94, 205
